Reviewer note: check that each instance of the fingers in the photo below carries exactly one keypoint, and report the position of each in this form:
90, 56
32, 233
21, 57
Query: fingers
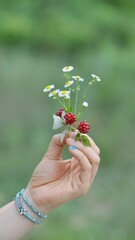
76, 153
88, 155
84, 164
55, 148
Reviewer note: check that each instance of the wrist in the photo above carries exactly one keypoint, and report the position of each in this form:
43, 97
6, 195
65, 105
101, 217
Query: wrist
34, 198
30, 197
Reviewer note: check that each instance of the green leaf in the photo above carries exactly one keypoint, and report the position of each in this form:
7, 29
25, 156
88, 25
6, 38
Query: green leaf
77, 137
85, 141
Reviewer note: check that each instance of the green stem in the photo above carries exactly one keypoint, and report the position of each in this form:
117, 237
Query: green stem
67, 103
63, 105
83, 97
80, 113
76, 97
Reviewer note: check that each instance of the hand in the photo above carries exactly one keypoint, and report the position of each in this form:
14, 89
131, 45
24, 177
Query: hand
56, 181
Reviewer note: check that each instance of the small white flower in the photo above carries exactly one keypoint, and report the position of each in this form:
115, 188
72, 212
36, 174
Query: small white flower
65, 94
48, 88
85, 104
67, 69
68, 83
53, 93
78, 78
95, 77
58, 122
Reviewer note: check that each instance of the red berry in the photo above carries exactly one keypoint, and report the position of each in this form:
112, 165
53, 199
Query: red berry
70, 118
83, 127
59, 112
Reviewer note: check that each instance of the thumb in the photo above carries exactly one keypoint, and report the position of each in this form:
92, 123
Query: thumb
55, 148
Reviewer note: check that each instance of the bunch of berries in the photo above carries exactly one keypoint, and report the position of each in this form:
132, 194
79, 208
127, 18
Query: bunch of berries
70, 119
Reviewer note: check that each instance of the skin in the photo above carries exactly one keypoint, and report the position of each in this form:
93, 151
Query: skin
53, 183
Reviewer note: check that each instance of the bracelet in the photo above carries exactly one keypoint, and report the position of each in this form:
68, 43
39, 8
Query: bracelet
31, 206
19, 205
23, 211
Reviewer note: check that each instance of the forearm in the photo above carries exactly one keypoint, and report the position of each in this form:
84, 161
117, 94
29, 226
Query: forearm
13, 225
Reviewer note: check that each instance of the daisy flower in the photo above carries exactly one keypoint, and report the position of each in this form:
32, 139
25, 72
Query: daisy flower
67, 69
95, 77
78, 78
53, 93
68, 83
48, 88
65, 94
85, 104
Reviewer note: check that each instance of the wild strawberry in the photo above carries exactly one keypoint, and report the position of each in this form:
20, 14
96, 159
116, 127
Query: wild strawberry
70, 118
83, 127
59, 112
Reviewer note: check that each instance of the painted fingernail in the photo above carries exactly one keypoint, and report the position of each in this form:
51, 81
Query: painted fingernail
73, 147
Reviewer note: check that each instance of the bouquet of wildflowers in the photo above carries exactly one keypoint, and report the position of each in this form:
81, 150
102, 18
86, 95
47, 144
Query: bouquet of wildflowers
72, 105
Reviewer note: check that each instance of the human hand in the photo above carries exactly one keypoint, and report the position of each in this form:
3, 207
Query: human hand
56, 181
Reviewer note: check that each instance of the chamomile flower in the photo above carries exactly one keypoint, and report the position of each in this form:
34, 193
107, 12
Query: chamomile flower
85, 104
54, 92
78, 78
67, 69
65, 94
95, 77
48, 88
68, 83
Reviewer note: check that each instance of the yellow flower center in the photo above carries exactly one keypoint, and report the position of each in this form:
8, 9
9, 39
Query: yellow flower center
68, 83
63, 92
78, 77
54, 93
68, 68
48, 87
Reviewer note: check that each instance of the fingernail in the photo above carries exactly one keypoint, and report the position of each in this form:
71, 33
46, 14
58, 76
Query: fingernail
73, 147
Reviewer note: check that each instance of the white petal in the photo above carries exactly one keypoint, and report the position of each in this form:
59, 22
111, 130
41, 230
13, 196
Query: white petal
78, 78
85, 104
63, 114
63, 135
96, 77
67, 96
58, 122
50, 94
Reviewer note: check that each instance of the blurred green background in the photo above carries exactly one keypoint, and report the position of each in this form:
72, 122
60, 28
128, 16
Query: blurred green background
37, 39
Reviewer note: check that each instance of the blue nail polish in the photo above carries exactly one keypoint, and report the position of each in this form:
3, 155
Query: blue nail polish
73, 147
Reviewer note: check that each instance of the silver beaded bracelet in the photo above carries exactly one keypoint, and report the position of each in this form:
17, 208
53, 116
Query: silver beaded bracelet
19, 205
31, 206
